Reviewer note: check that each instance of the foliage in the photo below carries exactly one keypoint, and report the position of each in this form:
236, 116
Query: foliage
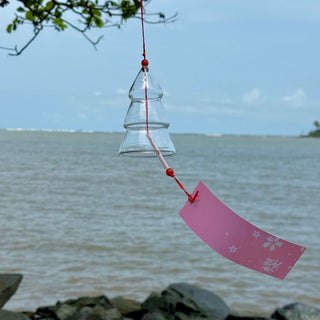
80, 15
315, 133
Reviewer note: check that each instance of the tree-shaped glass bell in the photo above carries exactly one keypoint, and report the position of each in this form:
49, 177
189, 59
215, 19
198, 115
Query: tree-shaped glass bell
141, 120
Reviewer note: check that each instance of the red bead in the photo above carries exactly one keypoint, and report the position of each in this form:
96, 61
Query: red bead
145, 62
170, 172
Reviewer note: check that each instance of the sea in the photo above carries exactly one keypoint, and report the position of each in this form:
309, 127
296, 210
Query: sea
78, 220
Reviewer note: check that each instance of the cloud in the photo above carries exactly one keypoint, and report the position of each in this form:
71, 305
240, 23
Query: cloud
121, 91
251, 97
53, 117
203, 109
295, 100
82, 116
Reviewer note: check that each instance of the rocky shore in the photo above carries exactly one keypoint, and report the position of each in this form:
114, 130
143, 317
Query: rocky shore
179, 301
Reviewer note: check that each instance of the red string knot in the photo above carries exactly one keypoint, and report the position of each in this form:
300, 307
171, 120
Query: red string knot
170, 172
145, 62
191, 198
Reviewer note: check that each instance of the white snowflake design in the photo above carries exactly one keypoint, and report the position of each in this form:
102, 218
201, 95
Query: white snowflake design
256, 234
271, 265
272, 243
233, 249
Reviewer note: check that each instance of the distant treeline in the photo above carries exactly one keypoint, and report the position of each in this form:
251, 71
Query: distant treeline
316, 132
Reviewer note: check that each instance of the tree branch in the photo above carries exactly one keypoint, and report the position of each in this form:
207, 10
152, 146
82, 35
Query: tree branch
83, 32
90, 14
35, 35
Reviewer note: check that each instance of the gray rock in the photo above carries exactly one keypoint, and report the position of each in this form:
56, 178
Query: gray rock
78, 309
153, 316
110, 314
181, 316
128, 307
8, 315
297, 311
9, 284
206, 302
154, 302
47, 312
102, 301
66, 312
84, 313
237, 317
184, 299
98, 313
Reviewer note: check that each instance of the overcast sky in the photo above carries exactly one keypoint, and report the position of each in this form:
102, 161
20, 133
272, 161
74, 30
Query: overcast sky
227, 66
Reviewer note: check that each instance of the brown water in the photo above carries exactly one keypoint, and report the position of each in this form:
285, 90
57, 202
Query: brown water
78, 220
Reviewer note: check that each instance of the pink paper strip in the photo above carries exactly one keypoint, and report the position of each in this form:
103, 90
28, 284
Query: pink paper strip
237, 239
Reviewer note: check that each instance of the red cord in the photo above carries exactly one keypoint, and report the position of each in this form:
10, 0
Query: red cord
143, 38
145, 64
191, 198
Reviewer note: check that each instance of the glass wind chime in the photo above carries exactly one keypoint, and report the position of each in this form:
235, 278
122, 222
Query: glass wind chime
218, 226
146, 118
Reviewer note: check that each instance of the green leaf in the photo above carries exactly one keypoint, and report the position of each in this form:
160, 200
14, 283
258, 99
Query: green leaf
96, 12
57, 13
59, 23
20, 9
9, 28
49, 5
29, 16
99, 23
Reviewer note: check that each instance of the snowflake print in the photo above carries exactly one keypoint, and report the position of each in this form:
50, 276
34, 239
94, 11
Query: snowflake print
233, 249
256, 234
271, 265
272, 242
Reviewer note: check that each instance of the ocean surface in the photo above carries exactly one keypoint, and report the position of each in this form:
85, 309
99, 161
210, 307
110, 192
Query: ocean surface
76, 219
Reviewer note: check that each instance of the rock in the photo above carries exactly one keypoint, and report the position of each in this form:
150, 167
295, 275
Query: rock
48, 312
98, 313
86, 308
81, 308
84, 313
102, 301
181, 316
208, 303
154, 302
236, 317
8, 315
9, 284
128, 307
182, 300
297, 311
65, 312
30, 314
153, 316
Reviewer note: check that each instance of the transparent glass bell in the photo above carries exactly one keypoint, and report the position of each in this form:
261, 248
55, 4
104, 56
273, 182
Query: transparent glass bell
135, 141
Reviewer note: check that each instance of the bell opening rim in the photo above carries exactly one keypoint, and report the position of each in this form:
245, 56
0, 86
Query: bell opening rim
143, 126
146, 153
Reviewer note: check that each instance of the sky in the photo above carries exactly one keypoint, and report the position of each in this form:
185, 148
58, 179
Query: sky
226, 67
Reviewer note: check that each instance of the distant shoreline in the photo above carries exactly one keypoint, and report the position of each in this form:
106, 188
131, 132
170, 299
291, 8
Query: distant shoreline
173, 133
